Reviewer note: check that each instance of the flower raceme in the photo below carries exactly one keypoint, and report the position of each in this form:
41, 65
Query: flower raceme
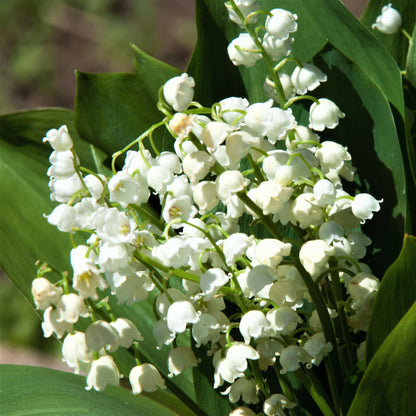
201, 228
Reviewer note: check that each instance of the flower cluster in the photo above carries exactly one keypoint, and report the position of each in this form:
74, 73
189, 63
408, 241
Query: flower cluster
256, 296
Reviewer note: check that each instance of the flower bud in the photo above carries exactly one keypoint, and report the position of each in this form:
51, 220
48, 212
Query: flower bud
307, 77
324, 114
63, 217
60, 140
389, 21
145, 377
102, 372
281, 23
179, 92
241, 51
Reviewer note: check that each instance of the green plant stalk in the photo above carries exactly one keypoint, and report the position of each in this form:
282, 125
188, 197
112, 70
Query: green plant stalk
337, 289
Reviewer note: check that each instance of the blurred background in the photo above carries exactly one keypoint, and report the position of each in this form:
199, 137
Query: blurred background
42, 42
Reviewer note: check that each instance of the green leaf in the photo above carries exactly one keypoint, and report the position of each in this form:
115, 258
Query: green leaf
396, 295
369, 131
397, 44
215, 76
61, 393
111, 110
388, 384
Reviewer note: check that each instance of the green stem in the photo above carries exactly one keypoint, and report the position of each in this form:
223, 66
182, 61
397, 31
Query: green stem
315, 390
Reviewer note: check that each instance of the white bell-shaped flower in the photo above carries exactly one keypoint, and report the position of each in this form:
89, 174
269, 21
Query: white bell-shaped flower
243, 388
277, 48
205, 196
181, 125
114, 226
62, 190
75, 353
302, 134
290, 358
307, 77
271, 196
269, 121
232, 110
158, 178
332, 155
324, 193
389, 21
275, 405
60, 140
317, 347
314, 254
281, 23
63, 164
162, 334
179, 208
95, 185
87, 278
126, 332
171, 161
305, 210
145, 377
271, 251
45, 293
102, 372
215, 133
163, 302
62, 217
137, 163
314, 321
358, 242
360, 320
283, 320
179, 359
324, 114
180, 314
53, 323
125, 190
197, 164
363, 288
207, 329
237, 356
243, 51
86, 213
364, 205
174, 253
179, 92
242, 411
229, 183
235, 246
100, 335
254, 324
71, 307
258, 278
212, 280
246, 7
287, 293
284, 176
113, 257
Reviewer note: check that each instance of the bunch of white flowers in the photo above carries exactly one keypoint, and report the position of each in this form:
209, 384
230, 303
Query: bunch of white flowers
295, 301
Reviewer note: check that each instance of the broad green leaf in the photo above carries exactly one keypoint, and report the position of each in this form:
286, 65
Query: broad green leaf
388, 384
111, 110
320, 21
397, 44
396, 295
369, 131
215, 76
61, 393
